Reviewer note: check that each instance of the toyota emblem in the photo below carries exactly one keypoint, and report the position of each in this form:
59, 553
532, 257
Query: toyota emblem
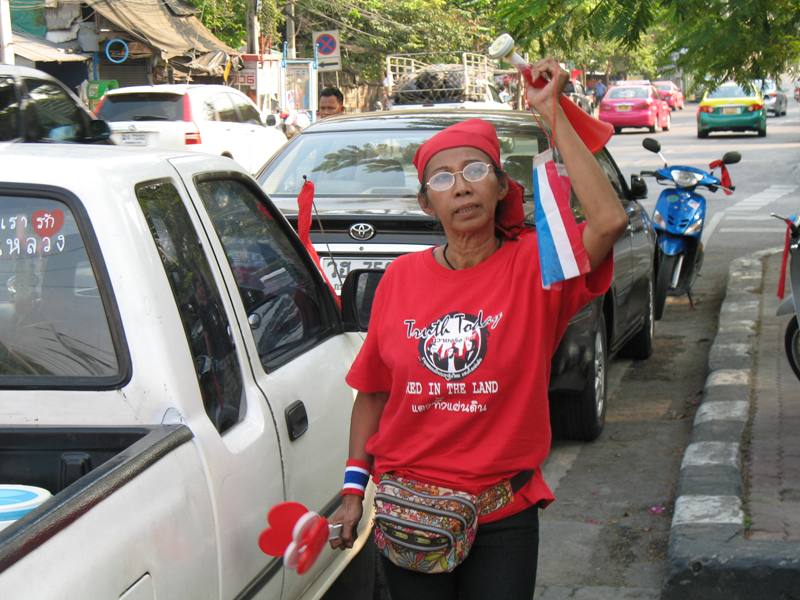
362, 231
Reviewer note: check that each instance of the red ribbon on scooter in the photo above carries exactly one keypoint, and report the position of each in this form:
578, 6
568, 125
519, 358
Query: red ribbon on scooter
724, 176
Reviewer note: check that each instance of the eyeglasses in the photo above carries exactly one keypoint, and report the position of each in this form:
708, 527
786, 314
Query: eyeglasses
473, 172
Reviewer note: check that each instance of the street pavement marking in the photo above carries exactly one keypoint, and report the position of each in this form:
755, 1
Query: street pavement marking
704, 454
762, 198
715, 220
752, 229
699, 509
751, 218
748, 205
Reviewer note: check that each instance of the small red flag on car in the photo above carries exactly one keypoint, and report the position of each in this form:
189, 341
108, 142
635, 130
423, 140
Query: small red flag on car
305, 201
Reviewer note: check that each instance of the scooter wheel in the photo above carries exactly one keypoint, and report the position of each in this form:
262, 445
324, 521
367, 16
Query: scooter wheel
792, 344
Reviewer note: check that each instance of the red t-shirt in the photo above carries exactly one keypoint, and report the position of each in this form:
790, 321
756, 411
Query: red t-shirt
465, 356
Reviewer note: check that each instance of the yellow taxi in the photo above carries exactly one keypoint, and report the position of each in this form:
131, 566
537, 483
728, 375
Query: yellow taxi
732, 107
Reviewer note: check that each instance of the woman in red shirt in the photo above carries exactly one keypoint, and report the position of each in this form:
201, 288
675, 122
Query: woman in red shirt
452, 378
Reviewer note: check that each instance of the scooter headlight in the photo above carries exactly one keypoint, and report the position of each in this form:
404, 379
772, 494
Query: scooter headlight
694, 227
685, 178
658, 219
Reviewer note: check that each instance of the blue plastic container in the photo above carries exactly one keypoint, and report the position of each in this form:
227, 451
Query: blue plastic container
16, 501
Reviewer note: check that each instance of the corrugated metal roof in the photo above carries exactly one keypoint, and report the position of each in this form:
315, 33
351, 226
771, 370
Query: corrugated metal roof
39, 50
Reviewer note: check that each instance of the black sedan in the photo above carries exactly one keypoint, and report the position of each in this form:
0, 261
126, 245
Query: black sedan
367, 214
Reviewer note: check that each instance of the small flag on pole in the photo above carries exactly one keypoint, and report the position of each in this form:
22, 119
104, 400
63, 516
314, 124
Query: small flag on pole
561, 252
305, 201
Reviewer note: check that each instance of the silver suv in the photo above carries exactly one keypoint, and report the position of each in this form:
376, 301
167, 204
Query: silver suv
215, 119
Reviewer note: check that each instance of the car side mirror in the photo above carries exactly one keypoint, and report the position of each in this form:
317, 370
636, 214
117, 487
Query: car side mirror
271, 120
99, 131
358, 292
638, 188
731, 158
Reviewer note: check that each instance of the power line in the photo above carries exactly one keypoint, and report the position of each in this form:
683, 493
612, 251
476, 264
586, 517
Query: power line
339, 23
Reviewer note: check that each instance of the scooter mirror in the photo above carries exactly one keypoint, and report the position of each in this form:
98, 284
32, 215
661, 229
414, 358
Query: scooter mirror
651, 145
731, 158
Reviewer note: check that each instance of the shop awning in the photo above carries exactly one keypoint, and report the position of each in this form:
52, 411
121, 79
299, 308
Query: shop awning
169, 26
39, 50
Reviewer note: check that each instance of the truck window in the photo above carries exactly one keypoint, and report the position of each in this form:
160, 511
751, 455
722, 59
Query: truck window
52, 332
205, 323
54, 116
9, 110
288, 310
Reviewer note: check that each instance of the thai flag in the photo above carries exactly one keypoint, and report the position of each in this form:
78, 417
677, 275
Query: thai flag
561, 252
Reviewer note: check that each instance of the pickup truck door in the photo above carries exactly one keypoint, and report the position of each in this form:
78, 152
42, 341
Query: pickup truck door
293, 336
234, 429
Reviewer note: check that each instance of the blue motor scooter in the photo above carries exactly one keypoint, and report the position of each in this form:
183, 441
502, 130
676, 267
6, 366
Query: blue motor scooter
678, 220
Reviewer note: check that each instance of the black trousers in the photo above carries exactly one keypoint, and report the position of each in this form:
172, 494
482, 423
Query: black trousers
501, 566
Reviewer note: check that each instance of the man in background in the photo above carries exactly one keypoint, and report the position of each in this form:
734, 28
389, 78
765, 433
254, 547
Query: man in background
599, 92
331, 102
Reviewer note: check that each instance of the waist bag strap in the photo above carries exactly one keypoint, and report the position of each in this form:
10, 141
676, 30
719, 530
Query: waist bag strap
501, 494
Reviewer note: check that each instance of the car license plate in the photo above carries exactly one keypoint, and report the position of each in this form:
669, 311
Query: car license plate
337, 271
134, 139
731, 110
623, 107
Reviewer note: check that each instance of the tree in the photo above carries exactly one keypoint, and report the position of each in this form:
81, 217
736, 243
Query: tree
713, 39
225, 18
748, 39
371, 29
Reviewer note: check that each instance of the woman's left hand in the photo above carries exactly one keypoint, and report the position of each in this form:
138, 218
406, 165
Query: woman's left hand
545, 100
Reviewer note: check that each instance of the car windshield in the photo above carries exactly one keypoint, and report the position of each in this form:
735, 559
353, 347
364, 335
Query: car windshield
625, 93
730, 90
142, 107
664, 87
378, 162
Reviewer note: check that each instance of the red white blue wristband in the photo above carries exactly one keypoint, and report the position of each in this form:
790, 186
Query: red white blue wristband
356, 477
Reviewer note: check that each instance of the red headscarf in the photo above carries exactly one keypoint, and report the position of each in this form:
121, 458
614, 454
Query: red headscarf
477, 133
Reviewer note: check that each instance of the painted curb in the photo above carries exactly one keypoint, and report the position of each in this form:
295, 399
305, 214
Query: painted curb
708, 556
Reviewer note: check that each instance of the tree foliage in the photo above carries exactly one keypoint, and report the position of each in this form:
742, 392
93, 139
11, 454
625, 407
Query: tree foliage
713, 39
748, 39
371, 29
227, 19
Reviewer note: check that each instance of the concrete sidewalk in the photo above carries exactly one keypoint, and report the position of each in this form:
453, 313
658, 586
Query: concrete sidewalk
735, 533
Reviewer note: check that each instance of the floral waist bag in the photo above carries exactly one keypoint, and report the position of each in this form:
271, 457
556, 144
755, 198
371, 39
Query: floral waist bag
428, 528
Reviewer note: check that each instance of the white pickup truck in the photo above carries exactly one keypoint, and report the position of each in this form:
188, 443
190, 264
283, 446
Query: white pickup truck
171, 366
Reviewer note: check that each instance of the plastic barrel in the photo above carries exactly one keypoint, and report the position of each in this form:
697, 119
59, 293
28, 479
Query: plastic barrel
16, 501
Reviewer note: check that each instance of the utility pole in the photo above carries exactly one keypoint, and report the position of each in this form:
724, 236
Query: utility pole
253, 29
6, 45
290, 28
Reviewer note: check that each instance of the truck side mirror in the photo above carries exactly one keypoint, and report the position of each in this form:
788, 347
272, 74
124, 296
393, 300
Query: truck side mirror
358, 291
271, 120
99, 131
638, 188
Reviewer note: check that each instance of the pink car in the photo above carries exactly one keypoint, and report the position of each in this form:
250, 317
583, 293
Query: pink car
635, 106
671, 93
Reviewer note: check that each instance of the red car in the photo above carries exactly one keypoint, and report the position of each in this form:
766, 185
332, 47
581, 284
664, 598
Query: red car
671, 93
635, 106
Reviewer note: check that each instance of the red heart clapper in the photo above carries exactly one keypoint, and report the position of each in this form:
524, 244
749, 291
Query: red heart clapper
297, 534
